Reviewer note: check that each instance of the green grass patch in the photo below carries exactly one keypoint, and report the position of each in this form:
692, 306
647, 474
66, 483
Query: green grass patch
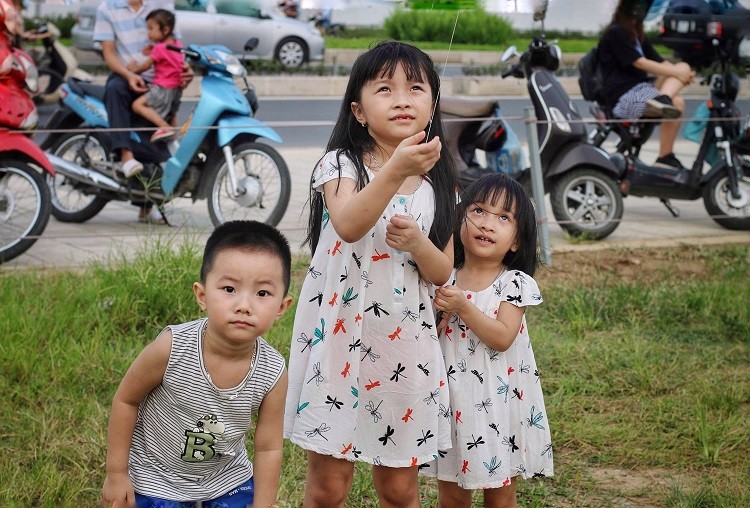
645, 379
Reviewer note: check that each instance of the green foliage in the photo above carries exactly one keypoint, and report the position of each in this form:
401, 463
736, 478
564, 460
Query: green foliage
471, 27
446, 5
63, 23
649, 376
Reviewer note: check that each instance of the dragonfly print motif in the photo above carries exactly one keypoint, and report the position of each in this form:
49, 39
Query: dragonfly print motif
373, 410
318, 297
510, 442
432, 397
534, 419
425, 436
493, 465
356, 343
388, 436
313, 272
408, 314
317, 376
477, 441
319, 431
376, 309
366, 278
307, 341
502, 389
368, 353
334, 402
484, 404
348, 297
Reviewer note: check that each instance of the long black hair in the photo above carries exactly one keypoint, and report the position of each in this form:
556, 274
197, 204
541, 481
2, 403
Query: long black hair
491, 188
350, 139
629, 14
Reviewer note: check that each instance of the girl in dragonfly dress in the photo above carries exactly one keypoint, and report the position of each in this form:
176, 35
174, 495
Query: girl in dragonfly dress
500, 427
367, 376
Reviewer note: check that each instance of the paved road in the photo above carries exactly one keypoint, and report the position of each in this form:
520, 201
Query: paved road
114, 234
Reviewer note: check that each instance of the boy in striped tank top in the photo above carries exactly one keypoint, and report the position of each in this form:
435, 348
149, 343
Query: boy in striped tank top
181, 413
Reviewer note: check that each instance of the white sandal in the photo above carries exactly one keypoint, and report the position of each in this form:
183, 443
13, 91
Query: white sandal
131, 168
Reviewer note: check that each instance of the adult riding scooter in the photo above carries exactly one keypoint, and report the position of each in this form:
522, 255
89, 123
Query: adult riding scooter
703, 40
55, 64
24, 196
580, 178
218, 158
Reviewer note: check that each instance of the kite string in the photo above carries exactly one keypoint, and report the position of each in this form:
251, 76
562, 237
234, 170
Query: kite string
442, 75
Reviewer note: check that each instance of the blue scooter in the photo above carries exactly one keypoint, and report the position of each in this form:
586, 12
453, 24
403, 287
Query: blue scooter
218, 157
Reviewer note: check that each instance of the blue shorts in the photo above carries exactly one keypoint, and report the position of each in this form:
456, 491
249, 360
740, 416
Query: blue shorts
239, 497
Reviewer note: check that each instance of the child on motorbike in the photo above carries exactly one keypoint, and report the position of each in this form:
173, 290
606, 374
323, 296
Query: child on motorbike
162, 100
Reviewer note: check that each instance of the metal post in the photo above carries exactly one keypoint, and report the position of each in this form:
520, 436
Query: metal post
537, 185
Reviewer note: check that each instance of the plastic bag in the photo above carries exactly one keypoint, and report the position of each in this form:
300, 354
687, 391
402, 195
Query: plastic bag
509, 159
695, 128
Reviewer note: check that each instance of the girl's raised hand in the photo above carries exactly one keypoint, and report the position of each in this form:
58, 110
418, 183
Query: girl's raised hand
403, 233
412, 157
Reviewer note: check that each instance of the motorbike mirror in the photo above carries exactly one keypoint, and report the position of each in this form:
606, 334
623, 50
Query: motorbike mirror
251, 44
540, 9
509, 53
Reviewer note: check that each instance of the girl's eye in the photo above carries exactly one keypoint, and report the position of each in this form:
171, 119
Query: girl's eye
478, 211
417, 87
263, 292
228, 289
383, 89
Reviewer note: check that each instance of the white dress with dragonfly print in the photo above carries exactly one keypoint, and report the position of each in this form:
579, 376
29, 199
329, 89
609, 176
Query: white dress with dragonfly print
366, 375
500, 426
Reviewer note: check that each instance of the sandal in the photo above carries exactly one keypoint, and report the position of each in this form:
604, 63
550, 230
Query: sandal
163, 133
131, 168
152, 216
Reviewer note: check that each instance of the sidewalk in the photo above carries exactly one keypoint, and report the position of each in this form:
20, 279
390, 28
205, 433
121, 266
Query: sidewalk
115, 235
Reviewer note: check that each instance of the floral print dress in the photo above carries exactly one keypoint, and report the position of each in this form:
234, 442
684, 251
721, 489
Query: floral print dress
366, 375
500, 426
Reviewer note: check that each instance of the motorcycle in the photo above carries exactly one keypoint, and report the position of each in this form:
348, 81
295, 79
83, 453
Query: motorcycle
24, 195
581, 178
702, 40
322, 21
471, 125
218, 158
55, 64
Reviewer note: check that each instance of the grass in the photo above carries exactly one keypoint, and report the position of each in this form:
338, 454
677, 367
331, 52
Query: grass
645, 379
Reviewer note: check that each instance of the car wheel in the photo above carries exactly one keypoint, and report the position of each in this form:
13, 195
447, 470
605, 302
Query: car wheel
291, 52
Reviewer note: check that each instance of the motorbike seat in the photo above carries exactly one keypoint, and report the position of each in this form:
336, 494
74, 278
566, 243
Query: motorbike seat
86, 88
467, 108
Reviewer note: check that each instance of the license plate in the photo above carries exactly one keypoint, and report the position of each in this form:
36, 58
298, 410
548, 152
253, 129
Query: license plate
683, 26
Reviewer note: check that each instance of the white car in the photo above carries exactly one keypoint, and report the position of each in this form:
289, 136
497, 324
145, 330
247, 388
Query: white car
229, 23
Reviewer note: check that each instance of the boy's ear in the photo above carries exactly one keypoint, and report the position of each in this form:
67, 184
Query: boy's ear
200, 295
285, 304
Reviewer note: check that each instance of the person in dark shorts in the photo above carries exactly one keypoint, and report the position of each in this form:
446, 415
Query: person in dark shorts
638, 82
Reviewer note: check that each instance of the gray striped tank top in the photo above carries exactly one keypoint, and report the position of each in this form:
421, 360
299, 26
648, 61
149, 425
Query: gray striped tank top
189, 440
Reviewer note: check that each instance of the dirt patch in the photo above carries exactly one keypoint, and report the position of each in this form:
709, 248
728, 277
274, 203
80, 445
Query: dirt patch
634, 487
588, 267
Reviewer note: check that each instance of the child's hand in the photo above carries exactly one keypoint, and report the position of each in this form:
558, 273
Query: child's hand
403, 233
117, 491
147, 50
412, 157
443, 319
450, 299
133, 66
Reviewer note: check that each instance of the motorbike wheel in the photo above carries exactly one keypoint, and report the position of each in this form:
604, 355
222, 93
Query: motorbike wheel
261, 172
71, 200
587, 203
723, 208
24, 208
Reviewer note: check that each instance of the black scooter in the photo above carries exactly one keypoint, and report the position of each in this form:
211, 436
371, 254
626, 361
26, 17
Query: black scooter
581, 178
703, 40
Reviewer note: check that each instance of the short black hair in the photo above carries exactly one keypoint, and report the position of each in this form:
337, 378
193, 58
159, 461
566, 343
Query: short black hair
248, 235
163, 18
492, 187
